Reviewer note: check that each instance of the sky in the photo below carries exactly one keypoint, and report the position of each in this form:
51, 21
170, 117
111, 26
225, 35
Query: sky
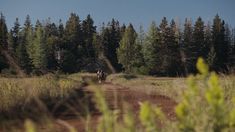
137, 12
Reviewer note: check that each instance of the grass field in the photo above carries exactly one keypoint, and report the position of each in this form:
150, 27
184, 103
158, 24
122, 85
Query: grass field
77, 102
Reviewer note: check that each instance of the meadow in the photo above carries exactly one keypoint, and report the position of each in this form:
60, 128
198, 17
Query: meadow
124, 102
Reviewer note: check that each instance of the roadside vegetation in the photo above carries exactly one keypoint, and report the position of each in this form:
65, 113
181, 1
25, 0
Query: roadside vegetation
205, 102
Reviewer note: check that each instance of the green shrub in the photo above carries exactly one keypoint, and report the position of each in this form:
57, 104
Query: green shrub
203, 107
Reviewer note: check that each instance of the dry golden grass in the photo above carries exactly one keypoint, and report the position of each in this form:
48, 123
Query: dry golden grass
20, 92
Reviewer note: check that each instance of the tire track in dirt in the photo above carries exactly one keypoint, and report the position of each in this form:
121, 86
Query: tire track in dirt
116, 95
134, 98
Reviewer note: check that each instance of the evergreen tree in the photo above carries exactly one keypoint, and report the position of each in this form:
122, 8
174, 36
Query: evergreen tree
198, 40
72, 45
175, 26
209, 48
73, 35
14, 36
112, 43
68, 64
196, 47
159, 51
22, 55
61, 41
169, 48
173, 51
219, 44
16, 29
164, 47
127, 52
61, 29
24, 45
88, 30
3, 32
188, 56
97, 45
141, 36
27, 38
52, 41
228, 39
101, 41
122, 29
151, 52
39, 59
139, 63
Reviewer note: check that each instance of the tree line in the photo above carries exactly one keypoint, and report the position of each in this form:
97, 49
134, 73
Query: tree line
166, 49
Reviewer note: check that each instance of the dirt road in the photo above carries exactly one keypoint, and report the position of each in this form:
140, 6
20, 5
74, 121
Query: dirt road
115, 96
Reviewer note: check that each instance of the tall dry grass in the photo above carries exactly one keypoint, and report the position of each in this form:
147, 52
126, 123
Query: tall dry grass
205, 101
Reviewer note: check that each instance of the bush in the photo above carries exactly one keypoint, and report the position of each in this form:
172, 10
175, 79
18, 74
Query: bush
203, 107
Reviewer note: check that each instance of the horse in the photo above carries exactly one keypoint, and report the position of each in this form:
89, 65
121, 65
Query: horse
100, 76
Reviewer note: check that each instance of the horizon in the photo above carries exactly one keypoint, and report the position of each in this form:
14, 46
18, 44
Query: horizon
135, 12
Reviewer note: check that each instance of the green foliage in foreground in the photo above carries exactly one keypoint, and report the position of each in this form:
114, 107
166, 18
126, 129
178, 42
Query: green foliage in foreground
203, 108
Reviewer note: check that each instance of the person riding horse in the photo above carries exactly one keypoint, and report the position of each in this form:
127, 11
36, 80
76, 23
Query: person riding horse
100, 76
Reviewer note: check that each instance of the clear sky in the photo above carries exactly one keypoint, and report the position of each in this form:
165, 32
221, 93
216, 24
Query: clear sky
126, 11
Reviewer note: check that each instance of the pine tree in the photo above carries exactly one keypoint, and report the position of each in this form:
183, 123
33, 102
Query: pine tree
122, 29
97, 43
174, 50
39, 59
22, 55
198, 39
209, 48
14, 38
141, 36
3, 32
151, 47
102, 41
229, 41
60, 29
127, 52
28, 38
188, 56
52, 41
16, 34
169, 48
72, 44
196, 48
139, 63
24, 48
88, 30
165, 42
73, 35
219, 44
112, 39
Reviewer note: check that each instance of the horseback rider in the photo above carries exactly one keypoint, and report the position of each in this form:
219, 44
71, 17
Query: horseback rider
100, 75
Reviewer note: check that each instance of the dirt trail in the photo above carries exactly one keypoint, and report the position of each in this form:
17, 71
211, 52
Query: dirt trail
115, 96
134, 98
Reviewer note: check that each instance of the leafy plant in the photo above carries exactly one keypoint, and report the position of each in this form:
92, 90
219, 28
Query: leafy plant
203, 107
